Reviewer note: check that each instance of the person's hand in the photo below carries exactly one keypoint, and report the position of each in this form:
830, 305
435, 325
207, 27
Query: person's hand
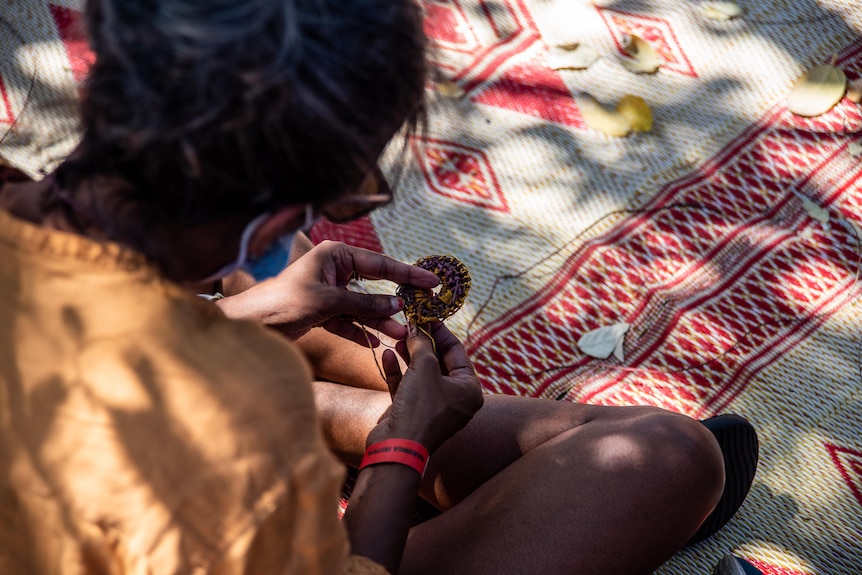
313, 291
436, 396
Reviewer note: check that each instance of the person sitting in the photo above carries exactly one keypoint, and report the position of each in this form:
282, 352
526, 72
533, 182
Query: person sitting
146, 430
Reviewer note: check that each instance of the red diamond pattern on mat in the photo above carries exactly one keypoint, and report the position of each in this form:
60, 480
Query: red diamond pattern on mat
359, 233
714, 276
474, 48
849, 464
532, 88
6, 116
768, 569
74, 39
448, 26
498, 59
657, 32
459, 172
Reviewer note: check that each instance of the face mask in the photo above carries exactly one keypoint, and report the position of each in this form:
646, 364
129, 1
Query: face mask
270, 263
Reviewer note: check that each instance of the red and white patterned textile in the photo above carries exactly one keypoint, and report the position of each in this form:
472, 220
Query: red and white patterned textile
696, 233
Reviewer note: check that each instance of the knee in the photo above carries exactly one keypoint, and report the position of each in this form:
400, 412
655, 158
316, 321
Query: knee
667, 467
667, 452
687, 455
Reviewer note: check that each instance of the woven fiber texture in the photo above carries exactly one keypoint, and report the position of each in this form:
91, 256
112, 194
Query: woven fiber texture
699, 234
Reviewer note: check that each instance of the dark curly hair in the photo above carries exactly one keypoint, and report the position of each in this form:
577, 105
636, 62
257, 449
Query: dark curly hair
204, 109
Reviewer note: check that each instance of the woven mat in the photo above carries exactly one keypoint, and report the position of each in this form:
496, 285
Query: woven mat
697, 234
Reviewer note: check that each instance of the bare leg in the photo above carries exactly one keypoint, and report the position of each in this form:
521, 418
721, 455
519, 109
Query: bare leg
341, 361
535, 486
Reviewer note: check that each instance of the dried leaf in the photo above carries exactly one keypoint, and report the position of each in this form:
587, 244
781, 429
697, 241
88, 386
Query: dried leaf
642, 58
815, 211
571, 57
618, 350
637, 112
450, 89
854, 90
721, 10
600, 118
817, 91
602, 342
855, 149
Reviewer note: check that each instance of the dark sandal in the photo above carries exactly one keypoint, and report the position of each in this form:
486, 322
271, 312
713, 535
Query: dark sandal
731, 565
738, 441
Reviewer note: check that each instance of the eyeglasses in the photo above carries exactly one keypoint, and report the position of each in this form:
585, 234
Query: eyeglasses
374, 192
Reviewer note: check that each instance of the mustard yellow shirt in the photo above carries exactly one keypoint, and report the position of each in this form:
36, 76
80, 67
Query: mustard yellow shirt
143, 433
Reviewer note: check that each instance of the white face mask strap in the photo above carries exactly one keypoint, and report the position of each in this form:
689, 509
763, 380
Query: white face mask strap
286, 240
311, 218
246, 237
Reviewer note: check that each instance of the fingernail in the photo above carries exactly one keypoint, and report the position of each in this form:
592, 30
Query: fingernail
398, 304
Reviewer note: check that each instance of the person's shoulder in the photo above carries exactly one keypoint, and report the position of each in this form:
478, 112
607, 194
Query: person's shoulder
246, 365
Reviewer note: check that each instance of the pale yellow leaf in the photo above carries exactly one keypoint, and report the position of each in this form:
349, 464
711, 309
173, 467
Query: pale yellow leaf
855, 149
619, 351
450, 89
814, 210
604, 341
642, 58
721, 10
637, 112
854, 90
571, 57
817, 91
600, 118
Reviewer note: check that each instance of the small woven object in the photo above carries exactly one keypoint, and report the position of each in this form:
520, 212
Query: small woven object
422, 306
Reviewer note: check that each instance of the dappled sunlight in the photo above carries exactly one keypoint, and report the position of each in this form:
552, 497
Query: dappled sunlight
114, 382
700, 234
737, 296
618, 452
808, 507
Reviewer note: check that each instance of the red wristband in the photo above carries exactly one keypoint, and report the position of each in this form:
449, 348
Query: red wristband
403, 451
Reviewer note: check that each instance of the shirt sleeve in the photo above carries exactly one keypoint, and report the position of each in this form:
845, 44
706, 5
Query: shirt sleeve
293, 525
357, 565
300, 533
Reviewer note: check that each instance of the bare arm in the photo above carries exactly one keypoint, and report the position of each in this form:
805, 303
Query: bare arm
429, 404
313, 291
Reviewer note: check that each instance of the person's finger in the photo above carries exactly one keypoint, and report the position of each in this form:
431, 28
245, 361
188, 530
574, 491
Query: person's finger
392, 371
347, 330
401, 350
419, 346
372, 265
362, 305
386, 326
453, 356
